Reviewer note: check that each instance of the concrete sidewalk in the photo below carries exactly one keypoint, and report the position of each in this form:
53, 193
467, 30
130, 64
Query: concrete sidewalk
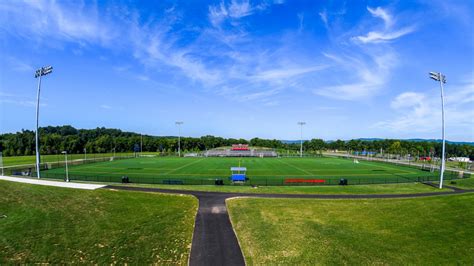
51, 183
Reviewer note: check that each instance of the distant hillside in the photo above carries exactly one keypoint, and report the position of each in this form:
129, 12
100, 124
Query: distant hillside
378, 139
425, 140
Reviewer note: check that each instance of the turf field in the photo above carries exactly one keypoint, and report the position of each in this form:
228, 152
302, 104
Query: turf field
261, 171
49, 225
424, 231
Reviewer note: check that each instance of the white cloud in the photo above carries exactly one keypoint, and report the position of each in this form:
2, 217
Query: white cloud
388, 33
51, 20
365, 76
421, 112
324, 17
236, 10
105, 106
384, 15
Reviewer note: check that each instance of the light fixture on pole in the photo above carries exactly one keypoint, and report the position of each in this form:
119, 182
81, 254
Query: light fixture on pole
67, 171
38, 74
441, 79
301, 139
179, 123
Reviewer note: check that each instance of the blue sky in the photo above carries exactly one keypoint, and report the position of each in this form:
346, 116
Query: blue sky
349, 69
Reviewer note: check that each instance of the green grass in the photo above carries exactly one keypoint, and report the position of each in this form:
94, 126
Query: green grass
403, 188
467, 183
58, 225
261, 171
424, 231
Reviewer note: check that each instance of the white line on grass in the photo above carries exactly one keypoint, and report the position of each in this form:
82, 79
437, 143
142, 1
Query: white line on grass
51, 183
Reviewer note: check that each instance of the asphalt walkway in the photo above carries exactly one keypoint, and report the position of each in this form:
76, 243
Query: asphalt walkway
214, 241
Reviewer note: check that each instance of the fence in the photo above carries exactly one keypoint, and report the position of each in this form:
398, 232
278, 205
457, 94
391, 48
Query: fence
212, 180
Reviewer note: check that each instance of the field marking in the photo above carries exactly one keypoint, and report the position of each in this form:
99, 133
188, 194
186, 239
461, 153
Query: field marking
186, 165
297, 168
213, 175
51, 183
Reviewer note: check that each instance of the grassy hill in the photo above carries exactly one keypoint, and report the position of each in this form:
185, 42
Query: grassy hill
57, 225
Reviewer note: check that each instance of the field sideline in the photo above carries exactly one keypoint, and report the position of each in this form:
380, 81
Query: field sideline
262, 171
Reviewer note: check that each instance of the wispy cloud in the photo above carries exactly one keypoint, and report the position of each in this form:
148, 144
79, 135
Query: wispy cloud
55, 20
105, 106
388, 32
236, 10
421, 112
366, 75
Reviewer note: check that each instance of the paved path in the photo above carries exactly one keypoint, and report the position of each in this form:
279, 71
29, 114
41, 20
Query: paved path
51, 183
214, 240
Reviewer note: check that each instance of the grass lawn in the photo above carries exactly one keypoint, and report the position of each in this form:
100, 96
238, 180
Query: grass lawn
424, 231
359, 189
59, 225
261, 171
467, 183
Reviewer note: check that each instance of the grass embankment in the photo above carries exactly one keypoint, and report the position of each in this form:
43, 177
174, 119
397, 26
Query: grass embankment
466, 183
424, 231
355, 189
58, 225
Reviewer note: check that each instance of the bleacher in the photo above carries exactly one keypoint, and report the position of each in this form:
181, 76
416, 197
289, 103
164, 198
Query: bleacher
240, 151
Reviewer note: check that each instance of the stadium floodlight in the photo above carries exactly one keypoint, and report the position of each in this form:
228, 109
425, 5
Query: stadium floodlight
179, 123
301, 139
38, 74
67, 171
441, 79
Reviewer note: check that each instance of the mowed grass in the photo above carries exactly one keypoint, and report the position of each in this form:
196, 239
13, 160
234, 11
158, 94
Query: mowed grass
58, 226
402, 188
261, 171
425, 231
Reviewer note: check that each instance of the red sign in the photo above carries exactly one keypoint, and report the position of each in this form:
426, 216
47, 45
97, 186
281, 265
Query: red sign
240, 147
301, 180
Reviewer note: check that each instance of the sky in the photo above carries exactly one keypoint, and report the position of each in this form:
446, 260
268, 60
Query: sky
242, 69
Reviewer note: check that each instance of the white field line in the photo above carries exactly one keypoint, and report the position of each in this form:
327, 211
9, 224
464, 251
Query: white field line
51, 183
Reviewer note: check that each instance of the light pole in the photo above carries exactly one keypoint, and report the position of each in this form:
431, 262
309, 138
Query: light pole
179, 123
38, 74
141, 144
85, 155
114, 153
301, 142
441, 79
67, 171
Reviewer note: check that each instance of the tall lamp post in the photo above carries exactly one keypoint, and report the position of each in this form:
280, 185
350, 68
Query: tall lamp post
301, 137
67, 171
441, 79
179, 123
38, 74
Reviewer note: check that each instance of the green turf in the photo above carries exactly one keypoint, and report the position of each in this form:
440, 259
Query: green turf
261, 171
59, 225
425, 231
403, 188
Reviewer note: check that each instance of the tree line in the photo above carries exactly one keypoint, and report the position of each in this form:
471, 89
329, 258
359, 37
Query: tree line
53, 140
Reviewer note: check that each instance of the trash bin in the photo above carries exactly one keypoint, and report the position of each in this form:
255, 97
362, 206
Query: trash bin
219, 182
343, 182
125, 179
